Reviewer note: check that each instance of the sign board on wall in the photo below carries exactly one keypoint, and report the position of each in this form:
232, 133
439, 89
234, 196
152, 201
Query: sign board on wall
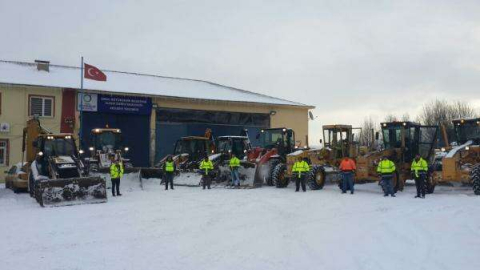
115, 104
89, 102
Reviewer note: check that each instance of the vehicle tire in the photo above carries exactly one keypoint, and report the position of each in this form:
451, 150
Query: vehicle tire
429, 185
316, 178
7, 184
31, 185
273, 163
279, 176
475, 178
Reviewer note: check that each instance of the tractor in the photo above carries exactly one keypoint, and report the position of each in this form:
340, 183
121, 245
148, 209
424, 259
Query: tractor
276, 143
339, 143
402, 141
460, 163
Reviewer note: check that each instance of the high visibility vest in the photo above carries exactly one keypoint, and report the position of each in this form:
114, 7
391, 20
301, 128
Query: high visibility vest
169, 166
386, 167
300, 167
419, 167
348, 165
234, 162
206, 166
116, 170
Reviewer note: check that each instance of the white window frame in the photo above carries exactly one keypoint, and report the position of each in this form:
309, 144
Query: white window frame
5, 152
43, 98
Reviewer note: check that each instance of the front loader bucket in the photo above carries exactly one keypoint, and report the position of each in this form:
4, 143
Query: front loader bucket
70, 191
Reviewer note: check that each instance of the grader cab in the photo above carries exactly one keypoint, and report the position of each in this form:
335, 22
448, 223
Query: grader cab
339, 143
402, 141
461, 163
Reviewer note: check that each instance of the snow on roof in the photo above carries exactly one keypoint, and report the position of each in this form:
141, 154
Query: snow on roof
122, 82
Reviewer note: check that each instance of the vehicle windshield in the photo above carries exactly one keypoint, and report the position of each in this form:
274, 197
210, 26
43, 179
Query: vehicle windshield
107, 139
59, 147
191, 147
466, 132
269, 138
392, 136
235, 145
338, 140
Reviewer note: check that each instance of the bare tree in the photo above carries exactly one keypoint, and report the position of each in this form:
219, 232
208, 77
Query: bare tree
390, 118
367, 134
441, 113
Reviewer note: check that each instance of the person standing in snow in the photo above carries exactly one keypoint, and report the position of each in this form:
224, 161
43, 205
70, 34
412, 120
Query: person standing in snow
299, 170
348, 167
386, 168
419, 173
116, 173
169, 169
206, 166
234, 164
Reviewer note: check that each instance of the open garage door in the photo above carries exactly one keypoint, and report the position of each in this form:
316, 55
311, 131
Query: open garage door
173, 124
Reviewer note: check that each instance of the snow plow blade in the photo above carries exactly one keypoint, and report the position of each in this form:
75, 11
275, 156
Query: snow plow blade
70, 191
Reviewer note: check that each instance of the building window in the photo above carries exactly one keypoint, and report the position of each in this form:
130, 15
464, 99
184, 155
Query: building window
3, 152
42, 106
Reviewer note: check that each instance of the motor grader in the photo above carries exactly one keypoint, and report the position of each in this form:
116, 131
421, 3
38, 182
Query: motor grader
339, 143
402, 141
56, 174
105, 142
460, 163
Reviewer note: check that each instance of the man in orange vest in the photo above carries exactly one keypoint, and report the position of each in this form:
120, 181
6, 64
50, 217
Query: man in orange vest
348, 167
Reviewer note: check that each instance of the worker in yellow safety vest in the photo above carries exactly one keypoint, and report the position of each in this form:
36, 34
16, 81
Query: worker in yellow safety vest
234, 164
206, 166
169, 169
386, 169
299, 171
419, 172
116, 173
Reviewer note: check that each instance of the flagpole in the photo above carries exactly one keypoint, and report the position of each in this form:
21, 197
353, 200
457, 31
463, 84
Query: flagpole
81, 104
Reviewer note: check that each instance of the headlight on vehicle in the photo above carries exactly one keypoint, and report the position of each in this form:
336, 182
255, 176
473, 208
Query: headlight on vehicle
126, 149
40, 153
91, 148
81, 152
443, 149
467, 148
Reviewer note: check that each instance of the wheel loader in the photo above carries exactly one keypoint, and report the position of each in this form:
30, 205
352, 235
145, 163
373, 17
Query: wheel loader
276, 143
402, 141
56, 174
460, 163
339, 143
105, 142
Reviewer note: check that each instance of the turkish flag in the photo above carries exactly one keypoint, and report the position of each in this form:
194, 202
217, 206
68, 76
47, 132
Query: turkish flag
93, 73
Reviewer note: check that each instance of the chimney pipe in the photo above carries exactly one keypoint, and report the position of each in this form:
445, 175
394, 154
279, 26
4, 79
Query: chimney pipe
43, 65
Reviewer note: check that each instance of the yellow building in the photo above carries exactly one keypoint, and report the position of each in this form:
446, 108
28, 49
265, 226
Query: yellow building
150, 110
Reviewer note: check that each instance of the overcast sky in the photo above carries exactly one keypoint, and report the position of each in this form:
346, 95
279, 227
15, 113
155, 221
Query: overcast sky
350, 59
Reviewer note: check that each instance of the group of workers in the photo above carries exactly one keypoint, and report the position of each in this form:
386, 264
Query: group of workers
386, 169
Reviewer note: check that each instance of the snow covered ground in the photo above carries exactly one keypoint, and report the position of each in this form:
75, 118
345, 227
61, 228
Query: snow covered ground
265, 228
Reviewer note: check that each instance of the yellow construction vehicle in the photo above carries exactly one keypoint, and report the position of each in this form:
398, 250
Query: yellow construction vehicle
56, 174
339, 142
460, 163
401, 142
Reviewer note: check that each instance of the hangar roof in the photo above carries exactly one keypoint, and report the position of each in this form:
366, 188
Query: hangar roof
23, 73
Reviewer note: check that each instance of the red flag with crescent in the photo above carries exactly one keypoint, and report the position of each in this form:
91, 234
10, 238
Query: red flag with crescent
93, 73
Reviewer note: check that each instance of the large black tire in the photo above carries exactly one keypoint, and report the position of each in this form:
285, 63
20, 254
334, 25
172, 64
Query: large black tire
475, 178
316, 178
7, 184
31, 185
268, 179
279, 176
429, 185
